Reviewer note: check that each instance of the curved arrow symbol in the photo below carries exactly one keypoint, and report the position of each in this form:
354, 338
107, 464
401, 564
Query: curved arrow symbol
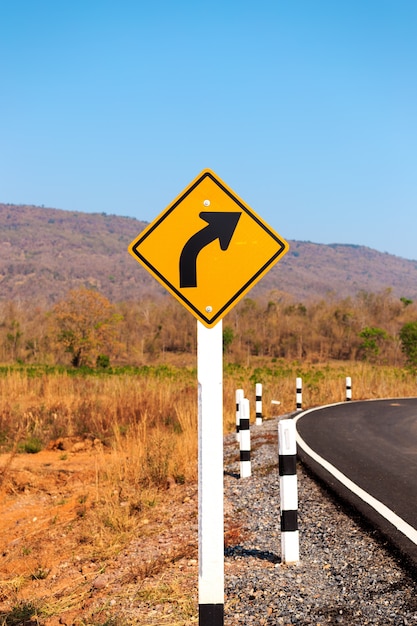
220, 226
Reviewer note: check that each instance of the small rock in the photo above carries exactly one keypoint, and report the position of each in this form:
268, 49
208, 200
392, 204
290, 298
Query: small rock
101, 582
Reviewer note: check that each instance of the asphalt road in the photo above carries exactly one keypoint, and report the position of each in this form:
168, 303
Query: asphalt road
367, 453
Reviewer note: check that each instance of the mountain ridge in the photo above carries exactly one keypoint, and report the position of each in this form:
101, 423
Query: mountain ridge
45, 252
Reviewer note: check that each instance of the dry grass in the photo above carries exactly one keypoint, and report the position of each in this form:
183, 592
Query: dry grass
147, 428
149, 420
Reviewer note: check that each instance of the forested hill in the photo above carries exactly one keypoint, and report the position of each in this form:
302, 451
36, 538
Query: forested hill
45, 252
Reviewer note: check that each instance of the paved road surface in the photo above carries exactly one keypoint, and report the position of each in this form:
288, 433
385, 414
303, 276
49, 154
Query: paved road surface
367, 452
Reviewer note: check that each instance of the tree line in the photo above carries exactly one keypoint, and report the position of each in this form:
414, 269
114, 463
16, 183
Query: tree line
86, 329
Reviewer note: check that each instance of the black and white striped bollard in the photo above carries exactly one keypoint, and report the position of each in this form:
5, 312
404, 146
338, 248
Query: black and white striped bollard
239, 400
244, 431
348, 388
290, 552
258, 404
299, 393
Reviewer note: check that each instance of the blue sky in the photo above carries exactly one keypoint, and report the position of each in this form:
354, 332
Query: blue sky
306, 108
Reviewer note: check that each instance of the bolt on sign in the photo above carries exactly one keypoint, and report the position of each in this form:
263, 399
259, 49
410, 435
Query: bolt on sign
208, 248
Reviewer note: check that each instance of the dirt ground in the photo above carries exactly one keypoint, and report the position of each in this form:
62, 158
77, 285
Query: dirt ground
59, 565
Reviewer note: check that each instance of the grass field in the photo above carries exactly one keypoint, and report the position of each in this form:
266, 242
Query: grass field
142, 425
155, 408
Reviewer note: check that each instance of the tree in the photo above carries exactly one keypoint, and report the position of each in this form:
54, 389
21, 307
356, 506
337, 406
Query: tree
408, 337
11, 327
373, 338
85, 325
228, 336
406, 301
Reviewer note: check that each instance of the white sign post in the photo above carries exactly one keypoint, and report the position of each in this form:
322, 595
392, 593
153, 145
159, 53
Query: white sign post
210, 475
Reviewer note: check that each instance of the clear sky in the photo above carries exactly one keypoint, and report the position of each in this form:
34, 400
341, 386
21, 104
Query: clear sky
306, 108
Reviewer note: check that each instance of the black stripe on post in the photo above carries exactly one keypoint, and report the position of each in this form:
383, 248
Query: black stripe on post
289, 521
244, 455
244, 424
211, 614
287, 464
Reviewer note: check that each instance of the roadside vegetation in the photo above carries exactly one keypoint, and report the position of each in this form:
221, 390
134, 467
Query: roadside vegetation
85, 329
123, 377
157, 405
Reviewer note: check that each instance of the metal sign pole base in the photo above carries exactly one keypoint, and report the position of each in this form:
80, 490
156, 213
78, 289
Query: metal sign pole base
211, 614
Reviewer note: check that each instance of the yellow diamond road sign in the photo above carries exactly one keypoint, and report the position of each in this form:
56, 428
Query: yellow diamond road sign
208, 248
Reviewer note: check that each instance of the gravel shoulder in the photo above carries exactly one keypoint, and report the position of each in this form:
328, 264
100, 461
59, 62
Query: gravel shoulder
347, 573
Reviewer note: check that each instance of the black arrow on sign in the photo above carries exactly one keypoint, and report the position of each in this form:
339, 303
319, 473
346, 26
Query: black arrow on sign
220, 226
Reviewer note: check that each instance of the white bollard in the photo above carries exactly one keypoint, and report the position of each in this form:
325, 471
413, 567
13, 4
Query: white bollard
348, 388
258, 404
299, 393
244, 430
290, 552
239, 401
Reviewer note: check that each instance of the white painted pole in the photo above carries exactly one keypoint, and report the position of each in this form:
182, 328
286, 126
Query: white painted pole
239, 399
348, 388
290, 552
210, 475
245, 462
258, 405
299, 393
